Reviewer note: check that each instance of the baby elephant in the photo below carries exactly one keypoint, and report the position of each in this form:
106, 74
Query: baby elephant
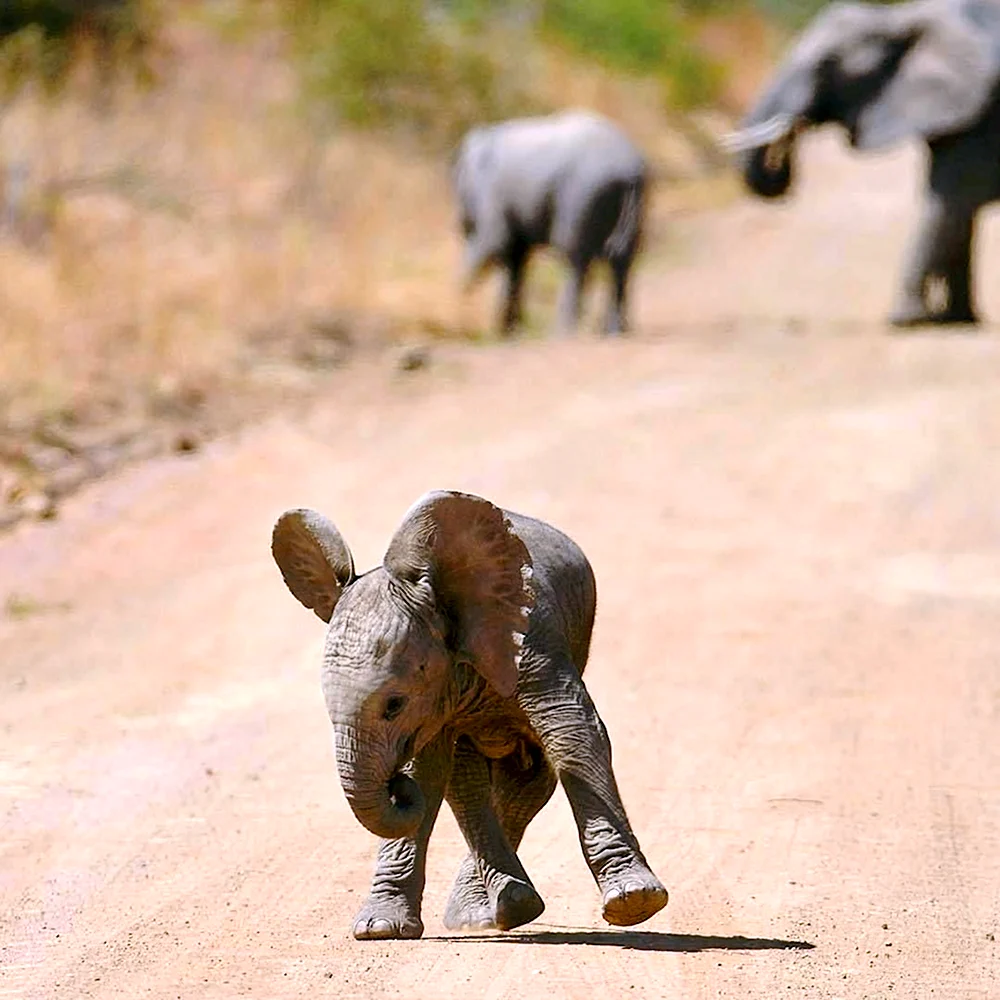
453, 670
573, 181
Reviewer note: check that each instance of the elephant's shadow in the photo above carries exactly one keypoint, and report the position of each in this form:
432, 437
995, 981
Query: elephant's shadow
637, 940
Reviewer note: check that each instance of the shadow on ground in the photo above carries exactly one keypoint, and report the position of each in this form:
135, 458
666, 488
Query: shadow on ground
640, 940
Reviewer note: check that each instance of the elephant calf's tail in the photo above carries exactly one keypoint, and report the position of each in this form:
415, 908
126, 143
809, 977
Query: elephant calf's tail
626, 231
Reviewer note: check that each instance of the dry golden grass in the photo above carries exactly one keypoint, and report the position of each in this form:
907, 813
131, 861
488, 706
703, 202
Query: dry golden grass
166, 237
156, 238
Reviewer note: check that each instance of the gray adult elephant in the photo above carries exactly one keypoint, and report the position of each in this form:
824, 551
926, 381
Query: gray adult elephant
927, 69
573, 181
453, 671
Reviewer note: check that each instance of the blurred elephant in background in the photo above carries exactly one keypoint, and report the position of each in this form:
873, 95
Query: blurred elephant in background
573, 181
927, 69
453, 670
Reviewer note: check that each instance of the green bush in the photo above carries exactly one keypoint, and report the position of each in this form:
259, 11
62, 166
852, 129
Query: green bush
438, 66
387, 63
638, 36
630, 34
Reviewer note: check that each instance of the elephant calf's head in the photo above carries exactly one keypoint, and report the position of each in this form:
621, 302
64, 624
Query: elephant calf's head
450, 600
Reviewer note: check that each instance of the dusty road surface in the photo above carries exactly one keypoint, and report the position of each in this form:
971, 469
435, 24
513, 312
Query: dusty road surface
795, 522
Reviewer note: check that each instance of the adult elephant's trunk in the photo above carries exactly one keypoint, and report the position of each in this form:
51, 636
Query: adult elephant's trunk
765, 142
768, 170
384, 800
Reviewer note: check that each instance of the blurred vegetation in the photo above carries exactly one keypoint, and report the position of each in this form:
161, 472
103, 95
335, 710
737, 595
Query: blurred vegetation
394, 63
440, 66
638, 36
433, 66
43, 41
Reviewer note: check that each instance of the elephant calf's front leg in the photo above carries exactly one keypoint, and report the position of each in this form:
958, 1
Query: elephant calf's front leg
392, 909
577, 744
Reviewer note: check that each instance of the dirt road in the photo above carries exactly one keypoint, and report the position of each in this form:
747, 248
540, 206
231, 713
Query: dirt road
795, 525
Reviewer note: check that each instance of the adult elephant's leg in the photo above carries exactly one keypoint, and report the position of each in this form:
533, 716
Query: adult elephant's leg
621, 246
617, 320
510, 898
922, 264
576, 743
963, 178
513, 286
956, 266
568, 318
942, 249
392, 909
520, 785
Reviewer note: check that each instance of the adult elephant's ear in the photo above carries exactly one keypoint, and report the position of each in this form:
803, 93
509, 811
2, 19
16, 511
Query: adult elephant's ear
314, 560
479, 571
947, 70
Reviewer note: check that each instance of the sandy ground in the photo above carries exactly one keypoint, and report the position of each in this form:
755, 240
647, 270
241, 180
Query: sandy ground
794, 522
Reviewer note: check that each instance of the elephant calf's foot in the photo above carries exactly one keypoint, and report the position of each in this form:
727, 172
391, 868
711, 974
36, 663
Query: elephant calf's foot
632, 897
470, 907
385, 917
517, 903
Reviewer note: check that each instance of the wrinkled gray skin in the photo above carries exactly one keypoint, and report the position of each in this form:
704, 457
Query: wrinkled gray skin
928, 70
573, 181
453, 671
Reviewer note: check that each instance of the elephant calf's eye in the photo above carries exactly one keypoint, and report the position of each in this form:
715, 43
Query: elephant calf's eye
393, 707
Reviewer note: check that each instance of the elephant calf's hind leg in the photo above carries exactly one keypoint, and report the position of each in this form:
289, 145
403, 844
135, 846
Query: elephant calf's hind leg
521, 784
504, 892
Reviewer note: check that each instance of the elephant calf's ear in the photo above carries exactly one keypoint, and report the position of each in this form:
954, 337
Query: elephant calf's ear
479, 572
314, 560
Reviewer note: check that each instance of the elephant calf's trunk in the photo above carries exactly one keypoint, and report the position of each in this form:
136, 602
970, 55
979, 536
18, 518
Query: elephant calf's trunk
406, 811
390, 807
395, 810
